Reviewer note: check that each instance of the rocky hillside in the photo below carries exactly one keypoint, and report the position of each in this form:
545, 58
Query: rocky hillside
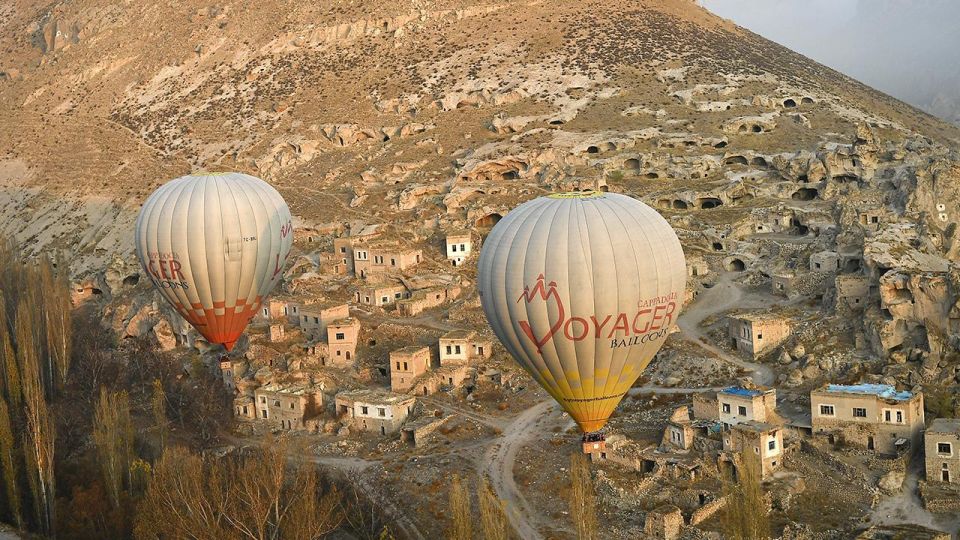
438, 115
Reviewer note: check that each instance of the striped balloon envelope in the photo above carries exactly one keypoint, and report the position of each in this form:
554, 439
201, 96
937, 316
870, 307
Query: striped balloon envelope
214, 245
582, 289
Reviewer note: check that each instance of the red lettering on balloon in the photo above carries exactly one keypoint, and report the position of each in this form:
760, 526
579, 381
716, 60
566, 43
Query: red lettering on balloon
584, 325
621, 325
599, 326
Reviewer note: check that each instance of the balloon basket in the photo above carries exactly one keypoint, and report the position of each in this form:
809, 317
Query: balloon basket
594, 444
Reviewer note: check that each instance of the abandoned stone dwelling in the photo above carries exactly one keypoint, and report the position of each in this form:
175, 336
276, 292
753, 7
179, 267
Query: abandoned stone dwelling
757, 334
380, 295
736, 405
374, 410
380, 256
760, 445
343, 247
942, 451
314, 318
459, 246
287, 406
407, 364
462, 347
424, 299
872, 416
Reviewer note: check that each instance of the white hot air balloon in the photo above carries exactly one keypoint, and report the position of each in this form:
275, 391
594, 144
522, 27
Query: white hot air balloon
582, 289
214, 245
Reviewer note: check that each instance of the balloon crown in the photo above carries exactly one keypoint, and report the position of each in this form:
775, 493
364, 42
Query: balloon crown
589, 194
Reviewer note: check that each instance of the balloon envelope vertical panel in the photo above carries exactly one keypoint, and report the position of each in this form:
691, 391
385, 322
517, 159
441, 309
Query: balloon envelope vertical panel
215, 245
582, 289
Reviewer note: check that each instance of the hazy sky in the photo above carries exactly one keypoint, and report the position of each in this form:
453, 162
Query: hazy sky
909, 49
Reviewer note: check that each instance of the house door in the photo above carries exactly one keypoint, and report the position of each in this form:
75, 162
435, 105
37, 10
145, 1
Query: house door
945, 476
383, 430
424, 390
869, 443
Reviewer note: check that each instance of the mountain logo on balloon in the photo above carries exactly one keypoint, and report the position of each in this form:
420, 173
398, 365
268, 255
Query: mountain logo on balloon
529, 295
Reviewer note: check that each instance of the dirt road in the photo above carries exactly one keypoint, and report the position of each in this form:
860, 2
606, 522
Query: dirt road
724, 295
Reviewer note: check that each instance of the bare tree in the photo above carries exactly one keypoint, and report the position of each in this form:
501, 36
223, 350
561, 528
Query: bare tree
39, 439
113, 438
8, 465
57, 322
461, 520
493, 516
744, 516
158, 402
8, 360
583, 498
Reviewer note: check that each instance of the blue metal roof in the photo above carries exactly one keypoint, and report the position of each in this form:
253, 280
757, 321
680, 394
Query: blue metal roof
884, 391
740, 391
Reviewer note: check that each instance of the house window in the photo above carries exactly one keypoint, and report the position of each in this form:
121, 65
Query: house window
366, 299
449, 349
405, 366
263, 413
384, 299
759, 337
381, 411
480, 350
276, 403
393, 262
343, 249
773, 464
899, 417
244, 410
263, 399
726, 407
316, 320
457, 349
741, 410
340, 335
363, 410
338, 353
944, 448
293, 405
826, 410
772, 445
396, 295
463, 247
859, 412
398, 365
454, 248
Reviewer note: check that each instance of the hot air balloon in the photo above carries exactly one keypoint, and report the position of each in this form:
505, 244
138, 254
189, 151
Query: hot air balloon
582, 289
214, 245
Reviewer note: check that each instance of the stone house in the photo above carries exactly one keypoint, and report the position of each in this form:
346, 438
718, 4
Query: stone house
244, 406
271, 311
737, 405
277, 333
374, 410
425, 299
444, 377
871, 220
663, 523
872, 416
706, 406
459, 246
381, 295
85, 290
287, 406
343, 248
463, 346
825, 261
852, 290
783, 284
378, 257
342, 338
315, 318
757, 334
942, 450
697, 267
407, 364
679, 431
763, 442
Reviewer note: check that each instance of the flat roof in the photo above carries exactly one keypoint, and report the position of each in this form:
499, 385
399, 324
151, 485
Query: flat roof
410, 349
945, 425
884, 391
744, 392
375, 396
458, 334
758, 427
